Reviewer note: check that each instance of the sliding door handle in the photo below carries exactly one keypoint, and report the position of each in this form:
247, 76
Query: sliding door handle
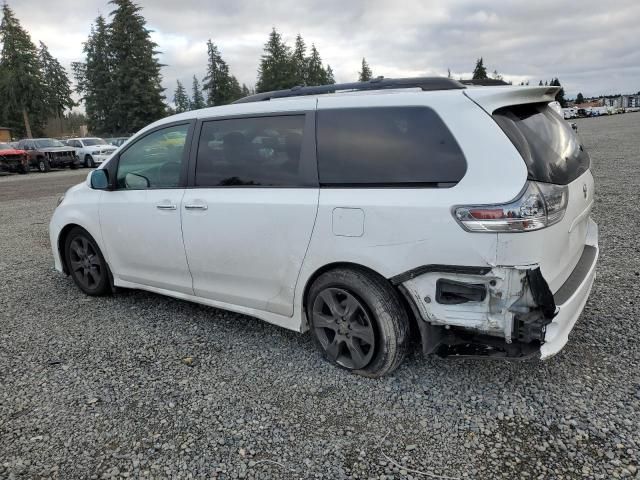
196, 206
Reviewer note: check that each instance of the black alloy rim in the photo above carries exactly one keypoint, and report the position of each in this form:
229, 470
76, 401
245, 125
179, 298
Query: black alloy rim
344, 328
85, 263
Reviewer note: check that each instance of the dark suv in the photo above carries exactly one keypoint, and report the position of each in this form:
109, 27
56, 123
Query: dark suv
47, 153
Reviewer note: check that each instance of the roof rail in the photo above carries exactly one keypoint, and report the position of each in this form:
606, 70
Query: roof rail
380, 83
485, 82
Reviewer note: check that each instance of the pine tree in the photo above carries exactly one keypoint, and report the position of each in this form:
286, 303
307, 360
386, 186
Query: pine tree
57, 95
21, 84
299, 63
480, 72
180, 98
580, 98
135, 71
540, 84
560, 95
365, 73
244, 90
496, 76
275, 70
235, 91
220, 85
316, 74
449, 73
329, 76
197, 99
93, 78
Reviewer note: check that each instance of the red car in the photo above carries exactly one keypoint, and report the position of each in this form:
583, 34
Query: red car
12, 160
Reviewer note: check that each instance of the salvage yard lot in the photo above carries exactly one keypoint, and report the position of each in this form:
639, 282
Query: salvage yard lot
137, 384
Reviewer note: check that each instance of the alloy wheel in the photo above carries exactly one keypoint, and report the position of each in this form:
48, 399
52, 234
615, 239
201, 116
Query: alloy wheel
343, 327
85, 263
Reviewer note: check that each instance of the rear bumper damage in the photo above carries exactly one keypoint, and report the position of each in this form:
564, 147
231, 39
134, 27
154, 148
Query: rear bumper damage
504, 312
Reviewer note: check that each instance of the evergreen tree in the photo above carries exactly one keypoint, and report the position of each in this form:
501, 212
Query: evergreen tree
57, 86
197, 99
299, 63
235, 91
275, 70
365, 72
540, 84
93, 78
449, 73
220, 85
180, 98
329, 76
480, 72
580, 98
316, 74
21, 84
135, 71
496, 76
245, 91
560, 95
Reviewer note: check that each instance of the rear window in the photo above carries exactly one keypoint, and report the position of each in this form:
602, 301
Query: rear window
387, 146
550, 149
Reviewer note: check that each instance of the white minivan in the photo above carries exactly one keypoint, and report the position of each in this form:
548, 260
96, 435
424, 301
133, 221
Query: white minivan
366, 213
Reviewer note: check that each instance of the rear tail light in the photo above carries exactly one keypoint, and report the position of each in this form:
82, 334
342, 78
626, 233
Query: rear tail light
539, 205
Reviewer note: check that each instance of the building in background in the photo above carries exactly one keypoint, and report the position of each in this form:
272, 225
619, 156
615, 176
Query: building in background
5, 134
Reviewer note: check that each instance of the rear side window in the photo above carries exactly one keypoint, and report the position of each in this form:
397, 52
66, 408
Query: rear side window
256, 151
550, 149
387, 146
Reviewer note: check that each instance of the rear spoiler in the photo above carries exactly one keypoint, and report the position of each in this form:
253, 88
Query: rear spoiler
492, 98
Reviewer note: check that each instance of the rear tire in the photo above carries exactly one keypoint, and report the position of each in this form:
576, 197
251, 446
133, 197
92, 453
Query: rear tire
358, 321
43, 165
85, 263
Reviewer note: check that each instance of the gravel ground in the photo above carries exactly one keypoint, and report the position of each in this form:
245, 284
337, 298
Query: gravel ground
139, 385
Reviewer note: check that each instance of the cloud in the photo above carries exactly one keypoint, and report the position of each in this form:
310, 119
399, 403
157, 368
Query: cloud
592, 46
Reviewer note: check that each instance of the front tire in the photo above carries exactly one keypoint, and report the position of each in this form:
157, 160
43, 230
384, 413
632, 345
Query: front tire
88, 162
86, 264
43, 165
358, 321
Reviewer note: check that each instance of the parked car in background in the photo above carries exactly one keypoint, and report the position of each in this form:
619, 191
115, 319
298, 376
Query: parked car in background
48, 153
12, 160
117, 141
91, 151
459, 212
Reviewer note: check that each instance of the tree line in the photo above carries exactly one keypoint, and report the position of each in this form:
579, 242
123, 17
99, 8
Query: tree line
33, 84
119, 80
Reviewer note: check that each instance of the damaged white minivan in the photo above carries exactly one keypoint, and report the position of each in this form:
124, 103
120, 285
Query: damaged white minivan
366, 213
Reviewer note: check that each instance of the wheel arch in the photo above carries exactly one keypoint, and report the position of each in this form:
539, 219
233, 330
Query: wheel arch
62, 237
414, 330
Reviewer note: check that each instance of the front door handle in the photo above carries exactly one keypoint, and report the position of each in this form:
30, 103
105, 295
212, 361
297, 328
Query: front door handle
165, 206
195, 206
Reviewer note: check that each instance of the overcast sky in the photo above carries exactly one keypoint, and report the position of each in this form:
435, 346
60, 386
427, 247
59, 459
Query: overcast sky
592, 46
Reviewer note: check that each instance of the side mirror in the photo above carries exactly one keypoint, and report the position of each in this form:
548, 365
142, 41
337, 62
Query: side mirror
99, 179
136, 182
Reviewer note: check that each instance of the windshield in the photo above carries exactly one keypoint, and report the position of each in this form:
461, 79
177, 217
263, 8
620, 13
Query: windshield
48, 143
550, 149
5, 146
90, 142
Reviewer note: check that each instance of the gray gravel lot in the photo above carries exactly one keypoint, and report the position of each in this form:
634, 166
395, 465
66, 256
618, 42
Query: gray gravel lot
100, 388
